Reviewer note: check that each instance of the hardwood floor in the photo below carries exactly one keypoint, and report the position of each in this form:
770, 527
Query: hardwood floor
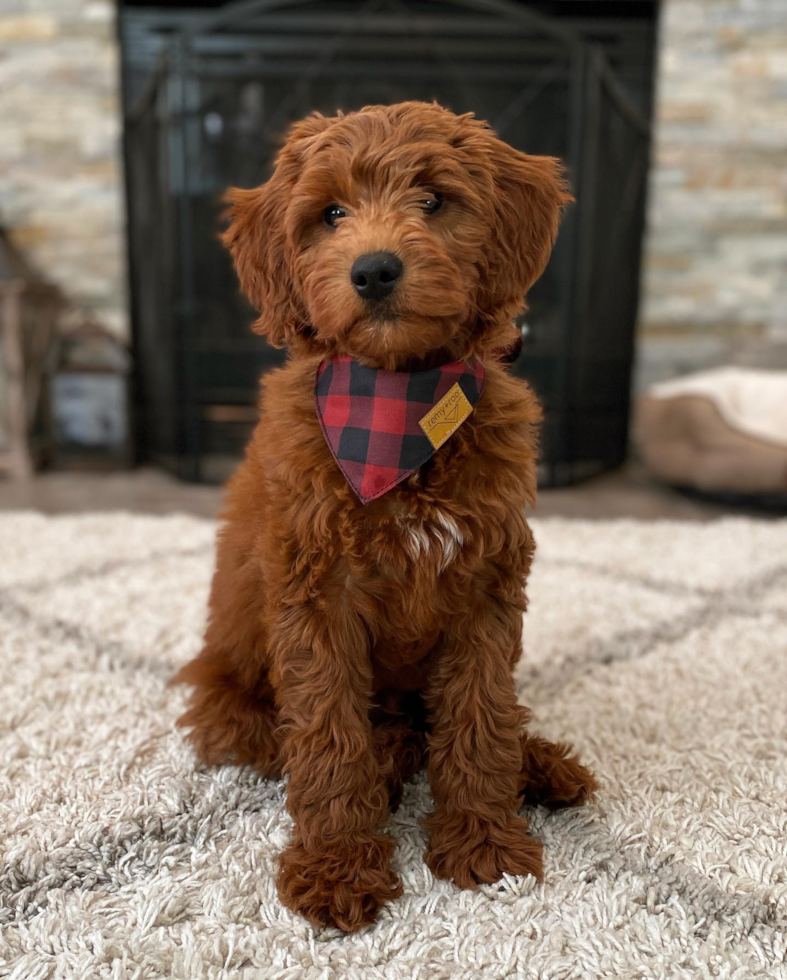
627, 492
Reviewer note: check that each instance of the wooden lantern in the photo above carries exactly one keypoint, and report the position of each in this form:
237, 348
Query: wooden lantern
29, 308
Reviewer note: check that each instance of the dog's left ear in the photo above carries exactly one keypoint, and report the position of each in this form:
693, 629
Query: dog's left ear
257, 240
530, 195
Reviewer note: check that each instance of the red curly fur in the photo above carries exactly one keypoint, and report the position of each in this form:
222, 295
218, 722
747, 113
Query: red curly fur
337, 651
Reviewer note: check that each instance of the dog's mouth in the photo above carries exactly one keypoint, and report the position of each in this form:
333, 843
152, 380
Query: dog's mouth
383, 318
383, 315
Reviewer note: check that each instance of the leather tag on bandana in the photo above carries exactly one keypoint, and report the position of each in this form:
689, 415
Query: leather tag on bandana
442, 421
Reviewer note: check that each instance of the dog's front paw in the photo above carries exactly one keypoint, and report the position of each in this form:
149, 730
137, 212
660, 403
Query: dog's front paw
340, 885
471, 851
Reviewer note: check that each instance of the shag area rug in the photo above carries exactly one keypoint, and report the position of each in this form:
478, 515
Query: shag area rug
659, 649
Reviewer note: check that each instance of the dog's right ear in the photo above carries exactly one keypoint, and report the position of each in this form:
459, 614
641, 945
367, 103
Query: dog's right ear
257, 240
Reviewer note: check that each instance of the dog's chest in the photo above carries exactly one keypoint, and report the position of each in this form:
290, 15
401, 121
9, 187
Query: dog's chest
418, 570
436, 539
406, 575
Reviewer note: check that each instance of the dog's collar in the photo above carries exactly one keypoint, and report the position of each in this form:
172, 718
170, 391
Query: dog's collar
381, 426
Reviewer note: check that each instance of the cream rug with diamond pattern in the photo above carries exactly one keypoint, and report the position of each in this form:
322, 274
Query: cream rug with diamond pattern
659, 649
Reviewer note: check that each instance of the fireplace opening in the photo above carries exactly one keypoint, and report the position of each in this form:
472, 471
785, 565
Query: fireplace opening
209, 87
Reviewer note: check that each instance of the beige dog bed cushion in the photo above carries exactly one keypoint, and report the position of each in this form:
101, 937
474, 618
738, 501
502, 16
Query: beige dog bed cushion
717, 431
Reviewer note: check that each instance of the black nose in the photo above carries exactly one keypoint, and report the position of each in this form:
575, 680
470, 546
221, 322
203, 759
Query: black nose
374, 275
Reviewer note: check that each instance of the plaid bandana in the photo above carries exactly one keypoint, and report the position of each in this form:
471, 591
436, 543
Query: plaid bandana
381, 426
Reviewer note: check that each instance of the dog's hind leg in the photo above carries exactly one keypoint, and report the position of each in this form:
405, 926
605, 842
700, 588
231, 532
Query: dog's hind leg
229, 722
232, 713
399, 738
552, 776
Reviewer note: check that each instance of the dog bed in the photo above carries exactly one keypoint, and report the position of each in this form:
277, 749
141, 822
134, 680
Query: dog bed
657, 648
721, 431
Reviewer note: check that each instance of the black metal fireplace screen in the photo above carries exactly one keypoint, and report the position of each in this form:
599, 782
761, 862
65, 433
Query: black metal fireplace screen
209, 92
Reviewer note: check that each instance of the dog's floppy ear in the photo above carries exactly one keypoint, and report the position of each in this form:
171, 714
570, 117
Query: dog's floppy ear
256, 238
530, 194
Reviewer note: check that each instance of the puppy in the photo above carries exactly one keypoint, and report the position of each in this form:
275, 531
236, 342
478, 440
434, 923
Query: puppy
366, 609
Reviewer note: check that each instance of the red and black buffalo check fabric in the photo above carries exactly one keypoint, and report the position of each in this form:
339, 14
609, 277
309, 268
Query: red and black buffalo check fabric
370, 417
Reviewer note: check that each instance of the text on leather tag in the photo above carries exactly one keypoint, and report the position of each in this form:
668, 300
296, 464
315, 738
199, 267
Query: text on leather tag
444, 419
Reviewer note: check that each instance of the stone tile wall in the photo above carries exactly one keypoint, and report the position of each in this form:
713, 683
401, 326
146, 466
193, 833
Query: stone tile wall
715, 270
60, 173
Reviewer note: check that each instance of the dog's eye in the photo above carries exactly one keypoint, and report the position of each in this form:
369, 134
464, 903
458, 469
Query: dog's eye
332, 214
433, 202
